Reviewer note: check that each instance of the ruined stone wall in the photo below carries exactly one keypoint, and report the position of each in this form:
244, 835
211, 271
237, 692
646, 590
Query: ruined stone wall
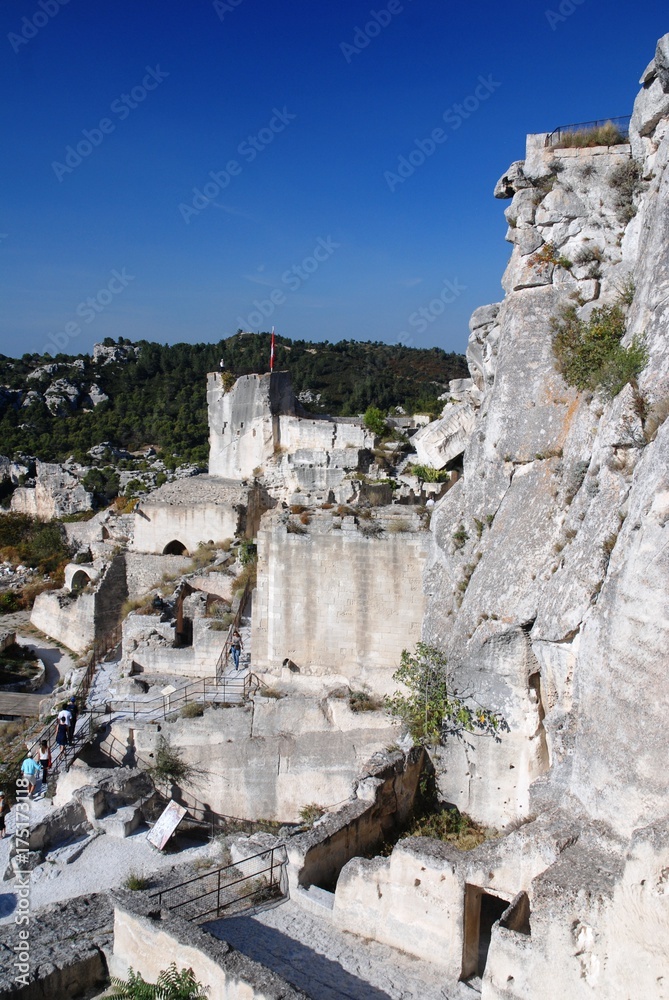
66, 619
148, 943
243, 422
272, 757
145, 571
156, 525
56, 492
337, 601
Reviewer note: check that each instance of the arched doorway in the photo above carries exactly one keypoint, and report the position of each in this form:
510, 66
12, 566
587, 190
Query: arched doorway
79, 580
175, 548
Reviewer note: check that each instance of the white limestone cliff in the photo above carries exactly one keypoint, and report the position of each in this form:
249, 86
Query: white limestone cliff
547, 581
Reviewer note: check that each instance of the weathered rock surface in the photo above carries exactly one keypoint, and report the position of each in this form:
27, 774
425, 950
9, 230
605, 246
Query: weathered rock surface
547, 580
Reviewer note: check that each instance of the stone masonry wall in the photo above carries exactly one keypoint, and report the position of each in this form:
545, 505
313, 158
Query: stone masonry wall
338, 602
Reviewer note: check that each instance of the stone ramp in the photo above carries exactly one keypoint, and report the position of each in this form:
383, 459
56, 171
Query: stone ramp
328, 964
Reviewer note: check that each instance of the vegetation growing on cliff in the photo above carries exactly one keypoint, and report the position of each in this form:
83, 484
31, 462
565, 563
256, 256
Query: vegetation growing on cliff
158, 397
589, 354
429, 709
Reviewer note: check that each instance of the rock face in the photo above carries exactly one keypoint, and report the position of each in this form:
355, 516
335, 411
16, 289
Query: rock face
547, 577
57, 492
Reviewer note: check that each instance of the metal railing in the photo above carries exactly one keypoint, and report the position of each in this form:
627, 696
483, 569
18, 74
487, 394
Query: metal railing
229, 690
225, 652
65, 755
252, 881
622, 124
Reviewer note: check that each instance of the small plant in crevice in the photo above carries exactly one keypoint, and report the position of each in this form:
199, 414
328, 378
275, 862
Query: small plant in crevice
460, 537
548, 254
135, 882
625, 179
310, 813
363, 701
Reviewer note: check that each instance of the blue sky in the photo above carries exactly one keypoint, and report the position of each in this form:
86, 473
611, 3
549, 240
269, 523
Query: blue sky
302, 113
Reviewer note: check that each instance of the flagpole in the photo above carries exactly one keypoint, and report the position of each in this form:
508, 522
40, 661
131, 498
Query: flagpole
271, 353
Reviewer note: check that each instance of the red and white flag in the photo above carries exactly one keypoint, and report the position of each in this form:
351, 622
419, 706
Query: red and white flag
271, 353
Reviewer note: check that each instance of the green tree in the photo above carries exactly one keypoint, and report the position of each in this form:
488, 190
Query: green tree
375, 421
430, 711
171, 985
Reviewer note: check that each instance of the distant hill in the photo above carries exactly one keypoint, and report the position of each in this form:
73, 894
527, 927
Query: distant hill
137, 394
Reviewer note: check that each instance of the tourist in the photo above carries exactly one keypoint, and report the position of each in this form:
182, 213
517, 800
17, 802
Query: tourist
236, 646
74, 712
30, 769
4, 809
45, 760
64, 720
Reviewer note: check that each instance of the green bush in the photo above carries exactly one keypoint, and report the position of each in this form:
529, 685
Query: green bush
429, 711
171, 985
375, 421
428, 474
625, 180
589, 354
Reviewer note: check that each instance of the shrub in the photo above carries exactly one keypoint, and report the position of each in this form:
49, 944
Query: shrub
626, 181
549, 255
192, 710
171, 985
375, 421
309, 814
363, 701
589, 354
136, 882
9, 601
428, 474
169, 765
429, 711
452, 826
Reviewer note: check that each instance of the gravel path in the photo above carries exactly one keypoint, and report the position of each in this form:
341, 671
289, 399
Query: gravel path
329, 964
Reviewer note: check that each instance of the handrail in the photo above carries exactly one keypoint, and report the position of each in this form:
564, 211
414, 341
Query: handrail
83, 734
262, 879
225, 652
163, 706
622, 123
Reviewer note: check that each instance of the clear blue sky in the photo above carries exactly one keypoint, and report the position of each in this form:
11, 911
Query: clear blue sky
314, 116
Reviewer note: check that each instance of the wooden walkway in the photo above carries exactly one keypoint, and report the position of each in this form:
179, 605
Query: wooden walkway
16, 705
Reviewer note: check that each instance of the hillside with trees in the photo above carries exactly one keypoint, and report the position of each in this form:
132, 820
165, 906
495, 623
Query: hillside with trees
53, 408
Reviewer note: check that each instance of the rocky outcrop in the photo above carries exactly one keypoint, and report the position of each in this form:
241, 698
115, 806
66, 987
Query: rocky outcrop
57, 492
547, 579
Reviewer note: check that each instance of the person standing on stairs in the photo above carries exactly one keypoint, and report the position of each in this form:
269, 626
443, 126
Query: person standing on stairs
236, 646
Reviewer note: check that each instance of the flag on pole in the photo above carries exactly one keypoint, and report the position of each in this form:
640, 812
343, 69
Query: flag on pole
271, 353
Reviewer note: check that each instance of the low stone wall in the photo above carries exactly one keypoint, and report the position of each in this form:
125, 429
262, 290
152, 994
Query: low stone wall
423, 898
68, 620
145, 571
148, 942
384, 801
68, 942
